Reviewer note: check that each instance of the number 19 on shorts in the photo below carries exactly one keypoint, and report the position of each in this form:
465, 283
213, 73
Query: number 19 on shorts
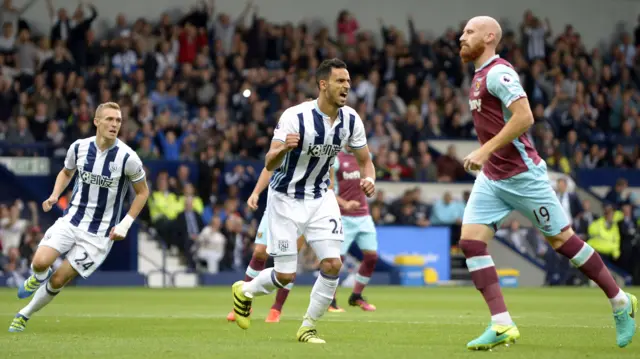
542, 215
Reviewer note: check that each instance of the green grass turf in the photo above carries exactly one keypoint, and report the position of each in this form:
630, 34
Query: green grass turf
410, 323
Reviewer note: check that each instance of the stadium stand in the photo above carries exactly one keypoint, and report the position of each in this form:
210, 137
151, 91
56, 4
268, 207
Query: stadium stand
200, 97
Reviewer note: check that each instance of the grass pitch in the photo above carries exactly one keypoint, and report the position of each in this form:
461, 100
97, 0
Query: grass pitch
410, 323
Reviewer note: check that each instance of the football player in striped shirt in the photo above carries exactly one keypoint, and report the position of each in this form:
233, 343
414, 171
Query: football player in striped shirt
105, 169
305, 143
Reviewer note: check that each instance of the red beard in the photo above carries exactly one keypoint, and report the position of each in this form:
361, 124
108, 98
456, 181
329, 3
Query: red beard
469, 54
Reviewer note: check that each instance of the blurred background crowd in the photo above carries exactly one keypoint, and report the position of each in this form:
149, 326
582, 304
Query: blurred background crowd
210, 87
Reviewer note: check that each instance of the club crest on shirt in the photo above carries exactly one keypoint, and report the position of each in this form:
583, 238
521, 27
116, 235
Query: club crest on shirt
477, 87
113, 167
259, 235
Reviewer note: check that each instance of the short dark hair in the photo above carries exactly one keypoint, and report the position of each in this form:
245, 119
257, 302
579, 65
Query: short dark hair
324, 70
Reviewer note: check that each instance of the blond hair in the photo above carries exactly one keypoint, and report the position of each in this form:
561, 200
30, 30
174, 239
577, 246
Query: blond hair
102, 106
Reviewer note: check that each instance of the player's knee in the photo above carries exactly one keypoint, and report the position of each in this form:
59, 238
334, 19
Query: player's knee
559, 239
41, 262
39, 265
331, 266
477, 232
472, 248
285, 278
370, 258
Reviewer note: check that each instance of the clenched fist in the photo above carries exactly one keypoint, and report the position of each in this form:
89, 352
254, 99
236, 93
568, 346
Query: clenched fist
292, 140
368, 186
48, 204
476, 159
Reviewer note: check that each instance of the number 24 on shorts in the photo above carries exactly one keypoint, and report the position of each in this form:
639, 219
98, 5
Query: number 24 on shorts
337, 226
87, 263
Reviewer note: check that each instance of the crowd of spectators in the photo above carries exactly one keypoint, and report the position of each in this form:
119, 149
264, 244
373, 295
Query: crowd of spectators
216, 80
210, 87
19, 238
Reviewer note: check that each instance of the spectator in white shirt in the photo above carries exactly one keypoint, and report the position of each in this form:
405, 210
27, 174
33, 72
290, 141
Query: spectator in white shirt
10, 14
13, 227
8, 38
211, 245
368, 89
224, 28
166, 57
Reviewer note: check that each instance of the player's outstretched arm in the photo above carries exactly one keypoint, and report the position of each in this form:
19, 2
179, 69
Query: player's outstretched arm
261, 185
62, 181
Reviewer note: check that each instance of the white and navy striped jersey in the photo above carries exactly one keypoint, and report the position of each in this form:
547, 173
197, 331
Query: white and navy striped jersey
304, 173
101, 184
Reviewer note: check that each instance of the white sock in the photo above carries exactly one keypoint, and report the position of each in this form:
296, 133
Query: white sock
502, 319
43, 296
265, 283
40, 275
321, 296
620, 301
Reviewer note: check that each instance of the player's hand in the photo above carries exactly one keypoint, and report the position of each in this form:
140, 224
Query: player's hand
48, 204
368, 187
351, 205
115, 235
252, 202
292, 140
119, 231
475, 160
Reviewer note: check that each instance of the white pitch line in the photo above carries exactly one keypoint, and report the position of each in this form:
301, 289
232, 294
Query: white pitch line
292, 318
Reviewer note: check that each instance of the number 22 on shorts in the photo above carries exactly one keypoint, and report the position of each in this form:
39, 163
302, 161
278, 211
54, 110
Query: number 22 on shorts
337, 226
